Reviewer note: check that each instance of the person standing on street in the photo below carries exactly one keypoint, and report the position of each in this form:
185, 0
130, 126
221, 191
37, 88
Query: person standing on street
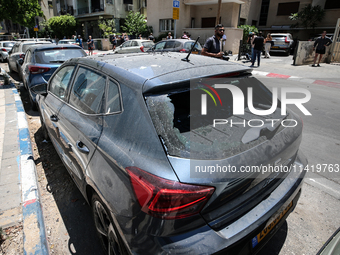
258, 46
79, 41
169, 36
151, 37
212, 46
251, 39
321, 43
268, 44
114, 42
90, 45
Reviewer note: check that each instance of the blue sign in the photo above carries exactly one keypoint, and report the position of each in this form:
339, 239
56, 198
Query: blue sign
176, 4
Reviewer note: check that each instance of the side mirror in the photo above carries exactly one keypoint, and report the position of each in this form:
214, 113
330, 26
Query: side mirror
40, 89
20, 61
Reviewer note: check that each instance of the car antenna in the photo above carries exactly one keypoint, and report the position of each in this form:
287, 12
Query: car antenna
187, 57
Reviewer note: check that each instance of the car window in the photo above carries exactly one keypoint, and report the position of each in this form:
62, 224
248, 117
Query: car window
160, 46
113, 98
172, 44
28, 57
57, 55
87, 93
60, 81
134, 43
15, 49
147, 44
126, 44
8, 45
26, 46
188, 46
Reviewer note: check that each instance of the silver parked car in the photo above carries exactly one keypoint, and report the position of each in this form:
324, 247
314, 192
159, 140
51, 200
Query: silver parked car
283, 42
18, 52
5, 47
134, 46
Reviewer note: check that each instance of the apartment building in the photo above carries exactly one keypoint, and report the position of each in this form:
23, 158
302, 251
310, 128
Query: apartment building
197, 17
273, 15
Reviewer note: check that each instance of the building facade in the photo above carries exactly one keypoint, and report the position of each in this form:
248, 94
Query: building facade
198, 18
273, 16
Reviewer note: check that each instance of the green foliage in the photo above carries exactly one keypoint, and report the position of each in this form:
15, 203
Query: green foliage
135, 24
63, 25
161, 36
108, 26
246, 30
21, 11
309, 16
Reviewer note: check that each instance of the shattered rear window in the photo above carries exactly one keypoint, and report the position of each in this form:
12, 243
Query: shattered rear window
185, 133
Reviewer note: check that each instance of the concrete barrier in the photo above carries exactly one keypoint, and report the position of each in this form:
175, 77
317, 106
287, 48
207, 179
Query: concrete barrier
305, 55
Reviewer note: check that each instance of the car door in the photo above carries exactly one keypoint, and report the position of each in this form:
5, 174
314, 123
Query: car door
134, 47
159, 46
24, 67
124, 48
52, 103
11, 59
81, 121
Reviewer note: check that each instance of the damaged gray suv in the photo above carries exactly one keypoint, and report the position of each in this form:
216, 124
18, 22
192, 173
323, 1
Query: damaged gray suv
137, 140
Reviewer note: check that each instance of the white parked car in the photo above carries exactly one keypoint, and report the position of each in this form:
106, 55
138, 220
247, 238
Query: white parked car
5, 47
283, 42
134, 46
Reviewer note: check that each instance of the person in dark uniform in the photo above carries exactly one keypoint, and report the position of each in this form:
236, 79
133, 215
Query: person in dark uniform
258, 46
321, 43
212, 47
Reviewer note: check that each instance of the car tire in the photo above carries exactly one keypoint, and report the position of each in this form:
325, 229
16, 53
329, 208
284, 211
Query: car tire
44, 129
106, 230
1, 58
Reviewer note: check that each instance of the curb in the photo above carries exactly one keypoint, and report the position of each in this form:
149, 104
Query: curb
296, 78
35, 241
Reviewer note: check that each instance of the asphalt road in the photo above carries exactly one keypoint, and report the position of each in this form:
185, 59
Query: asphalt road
316, 216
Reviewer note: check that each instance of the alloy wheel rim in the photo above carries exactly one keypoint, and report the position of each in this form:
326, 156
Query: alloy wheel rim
105, 229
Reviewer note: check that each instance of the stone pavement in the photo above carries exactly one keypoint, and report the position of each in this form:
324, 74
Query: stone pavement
10, 184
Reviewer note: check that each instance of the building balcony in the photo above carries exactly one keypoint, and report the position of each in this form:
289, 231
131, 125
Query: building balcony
207, 2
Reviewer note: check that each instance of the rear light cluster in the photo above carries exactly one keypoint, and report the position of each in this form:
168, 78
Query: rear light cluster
182, 50
286, 40
38, 69
3, 49
167, 199
142, 48
22, 56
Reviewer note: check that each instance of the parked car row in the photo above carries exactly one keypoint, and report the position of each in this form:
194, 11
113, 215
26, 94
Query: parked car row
121, 124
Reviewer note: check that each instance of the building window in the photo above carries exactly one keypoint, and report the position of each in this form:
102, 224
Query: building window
286, 9
332, 4
50, 4
242, 21
254, 23
128, 1
264, 12
166, 25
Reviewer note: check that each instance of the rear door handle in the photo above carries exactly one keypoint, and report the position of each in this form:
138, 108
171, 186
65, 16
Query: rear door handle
54, 118
82, 147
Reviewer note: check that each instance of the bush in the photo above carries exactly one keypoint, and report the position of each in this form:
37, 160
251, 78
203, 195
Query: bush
161, 36
246, 30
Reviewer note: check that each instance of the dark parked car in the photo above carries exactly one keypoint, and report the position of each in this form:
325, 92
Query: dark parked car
176, 45
120, 124
41, 61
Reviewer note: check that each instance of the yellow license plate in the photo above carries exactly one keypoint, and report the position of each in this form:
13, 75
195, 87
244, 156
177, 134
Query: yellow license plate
194, 52
275, 47
270, 227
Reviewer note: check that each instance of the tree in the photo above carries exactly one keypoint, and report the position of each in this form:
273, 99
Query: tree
309, 16
246, 30
21, 11
108, 26
135, 24
63, 25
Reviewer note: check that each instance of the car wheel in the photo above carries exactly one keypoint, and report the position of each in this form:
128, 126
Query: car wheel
44, 129
105, 227
288, 52
1, 58
33, 104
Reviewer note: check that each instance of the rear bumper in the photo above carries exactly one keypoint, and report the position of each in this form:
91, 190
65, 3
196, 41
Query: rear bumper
237, 237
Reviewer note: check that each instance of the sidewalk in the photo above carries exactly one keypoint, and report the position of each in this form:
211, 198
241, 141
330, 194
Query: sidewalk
19, 195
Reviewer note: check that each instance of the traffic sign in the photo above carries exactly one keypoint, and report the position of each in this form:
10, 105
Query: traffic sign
36, 29
175, 4
175, 13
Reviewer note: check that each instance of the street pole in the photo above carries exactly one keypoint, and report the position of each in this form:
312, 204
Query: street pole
218, 12
175, 27
36, 34
28, 32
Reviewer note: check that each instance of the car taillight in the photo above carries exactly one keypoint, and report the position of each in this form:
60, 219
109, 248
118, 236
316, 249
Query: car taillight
38, 69
167, 199
22, 56
286, 40
142, 48
3, 49
182, 50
